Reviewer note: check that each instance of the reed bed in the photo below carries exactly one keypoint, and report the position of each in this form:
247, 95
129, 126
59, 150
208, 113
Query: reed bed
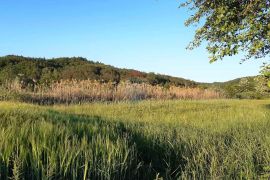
74, 91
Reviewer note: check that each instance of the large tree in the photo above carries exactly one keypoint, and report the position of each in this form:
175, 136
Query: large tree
231, 26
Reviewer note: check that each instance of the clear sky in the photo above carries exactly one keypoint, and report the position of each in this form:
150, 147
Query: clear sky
147, 35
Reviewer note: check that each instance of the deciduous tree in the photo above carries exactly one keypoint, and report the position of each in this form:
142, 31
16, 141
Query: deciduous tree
231, 26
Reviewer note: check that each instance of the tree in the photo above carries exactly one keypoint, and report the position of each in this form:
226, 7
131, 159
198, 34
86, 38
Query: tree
231, 26
266, 72
110, 75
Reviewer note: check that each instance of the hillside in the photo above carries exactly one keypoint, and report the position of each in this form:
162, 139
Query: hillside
34, 72
251, 87
45, 71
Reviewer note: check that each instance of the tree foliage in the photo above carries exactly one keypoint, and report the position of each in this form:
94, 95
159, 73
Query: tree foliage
253, 87
231, 26
266, 72
45, 71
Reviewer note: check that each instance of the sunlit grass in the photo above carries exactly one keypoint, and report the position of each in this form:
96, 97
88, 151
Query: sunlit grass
136, 140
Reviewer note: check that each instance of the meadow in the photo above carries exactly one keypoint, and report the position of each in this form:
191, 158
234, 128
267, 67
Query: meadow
162, 139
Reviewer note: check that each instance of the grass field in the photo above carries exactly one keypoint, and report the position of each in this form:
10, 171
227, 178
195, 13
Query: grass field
207, 139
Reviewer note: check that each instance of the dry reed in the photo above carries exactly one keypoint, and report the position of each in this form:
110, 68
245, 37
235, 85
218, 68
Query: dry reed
74, 91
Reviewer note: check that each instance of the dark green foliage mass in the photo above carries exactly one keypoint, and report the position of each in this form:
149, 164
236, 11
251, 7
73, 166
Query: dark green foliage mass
45, 71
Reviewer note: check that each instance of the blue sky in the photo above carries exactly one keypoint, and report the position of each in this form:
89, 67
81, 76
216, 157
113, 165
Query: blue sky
147, 35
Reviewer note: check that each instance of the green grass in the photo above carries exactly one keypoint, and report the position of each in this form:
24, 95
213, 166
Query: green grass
214, 139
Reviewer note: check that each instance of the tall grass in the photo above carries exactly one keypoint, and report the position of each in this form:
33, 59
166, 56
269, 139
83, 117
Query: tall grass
218, 139
74, 91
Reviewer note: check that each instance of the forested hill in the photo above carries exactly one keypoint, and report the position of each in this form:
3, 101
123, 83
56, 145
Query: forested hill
41, 70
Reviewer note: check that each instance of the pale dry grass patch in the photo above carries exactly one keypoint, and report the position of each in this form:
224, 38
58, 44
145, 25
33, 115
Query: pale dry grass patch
75, 91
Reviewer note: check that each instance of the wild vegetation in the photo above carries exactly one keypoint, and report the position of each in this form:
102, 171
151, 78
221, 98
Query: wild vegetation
214, 139
77, 80
119, 137
161, 139
232, 27
33, 71
74, 91
242, 88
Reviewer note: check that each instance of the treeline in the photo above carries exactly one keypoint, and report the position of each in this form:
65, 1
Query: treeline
253, 87
31, 71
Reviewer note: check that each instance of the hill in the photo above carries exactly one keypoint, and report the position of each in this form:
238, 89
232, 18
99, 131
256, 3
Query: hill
251, 87
34, 72
45, 71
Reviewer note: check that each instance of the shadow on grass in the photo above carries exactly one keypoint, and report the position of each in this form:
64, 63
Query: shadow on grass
39, 100
267, 106
153, 151
153, 156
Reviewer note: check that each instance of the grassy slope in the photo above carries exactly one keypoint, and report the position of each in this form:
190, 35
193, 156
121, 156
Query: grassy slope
144, 140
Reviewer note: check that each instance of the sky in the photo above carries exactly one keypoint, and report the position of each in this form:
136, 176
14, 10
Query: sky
146, 35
